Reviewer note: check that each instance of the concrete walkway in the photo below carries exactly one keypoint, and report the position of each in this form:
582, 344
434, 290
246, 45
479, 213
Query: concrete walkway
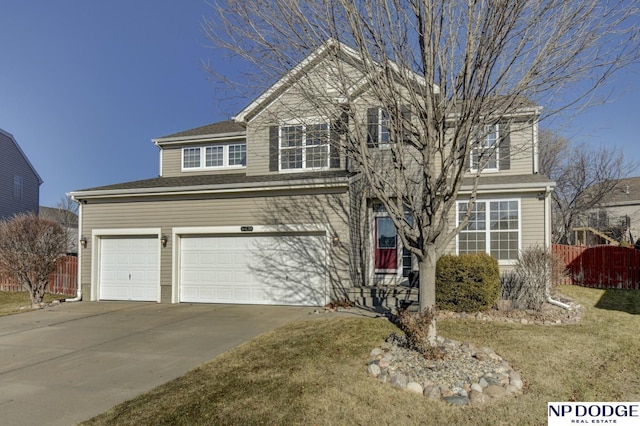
68, 363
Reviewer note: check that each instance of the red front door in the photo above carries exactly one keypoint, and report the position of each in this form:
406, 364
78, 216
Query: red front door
386, 249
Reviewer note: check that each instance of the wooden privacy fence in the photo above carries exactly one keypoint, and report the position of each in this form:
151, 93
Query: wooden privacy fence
601, 266
63, 281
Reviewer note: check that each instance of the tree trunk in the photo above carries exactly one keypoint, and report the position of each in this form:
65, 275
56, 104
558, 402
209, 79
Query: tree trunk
36, 292
427, 268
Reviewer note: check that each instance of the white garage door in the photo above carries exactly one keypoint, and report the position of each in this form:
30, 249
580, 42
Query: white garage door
277, 269
129, 268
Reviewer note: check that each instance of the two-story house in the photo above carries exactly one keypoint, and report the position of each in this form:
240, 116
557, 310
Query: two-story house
267, 209
19, 180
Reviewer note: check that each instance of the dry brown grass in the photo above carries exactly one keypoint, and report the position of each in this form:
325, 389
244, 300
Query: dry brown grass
11, 302
315, 373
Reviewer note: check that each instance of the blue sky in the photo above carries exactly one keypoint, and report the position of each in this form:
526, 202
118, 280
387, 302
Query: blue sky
85, 86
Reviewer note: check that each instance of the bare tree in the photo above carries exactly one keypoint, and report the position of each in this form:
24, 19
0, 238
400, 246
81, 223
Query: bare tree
29, 249
442, 71
584, 177
67, 217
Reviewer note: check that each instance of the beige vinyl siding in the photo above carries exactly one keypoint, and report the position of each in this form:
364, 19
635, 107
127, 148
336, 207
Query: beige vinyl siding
12, 163
167, 214
172, 160
521, 149
309, 98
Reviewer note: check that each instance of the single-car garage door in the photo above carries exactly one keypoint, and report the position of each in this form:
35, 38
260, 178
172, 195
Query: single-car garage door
129, 268
267, 269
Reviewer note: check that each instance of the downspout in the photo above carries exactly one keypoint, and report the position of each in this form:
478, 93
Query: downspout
79, 281
547, 243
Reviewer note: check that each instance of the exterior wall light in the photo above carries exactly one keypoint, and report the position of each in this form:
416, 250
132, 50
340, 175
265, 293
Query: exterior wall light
83, 241
164, 240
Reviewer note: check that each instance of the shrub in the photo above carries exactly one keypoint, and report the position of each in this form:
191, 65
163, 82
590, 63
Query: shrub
416, 329
528, 285
29, 249
469, 282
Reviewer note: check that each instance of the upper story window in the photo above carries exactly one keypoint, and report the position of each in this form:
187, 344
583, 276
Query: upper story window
18, 188
493, 228
304, 146
485, 152
378, 127
214, 157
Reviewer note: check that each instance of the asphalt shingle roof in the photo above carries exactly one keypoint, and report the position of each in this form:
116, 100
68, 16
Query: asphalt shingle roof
626, 191
220, 127
221, 179
241, 178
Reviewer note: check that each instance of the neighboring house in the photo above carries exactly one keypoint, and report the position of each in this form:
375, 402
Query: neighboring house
264, 210
69, 222
19, 180
616, 219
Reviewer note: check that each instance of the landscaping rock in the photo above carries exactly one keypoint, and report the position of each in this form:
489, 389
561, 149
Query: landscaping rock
398, 381
467, 374
476, 387
457, 400
516, 380
374, 370
415, 388
432, 392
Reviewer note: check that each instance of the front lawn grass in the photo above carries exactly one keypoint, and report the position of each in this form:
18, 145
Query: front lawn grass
315, 373
12, 301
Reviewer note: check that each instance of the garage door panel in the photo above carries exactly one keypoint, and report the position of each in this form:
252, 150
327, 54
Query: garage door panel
129, 268
252, 270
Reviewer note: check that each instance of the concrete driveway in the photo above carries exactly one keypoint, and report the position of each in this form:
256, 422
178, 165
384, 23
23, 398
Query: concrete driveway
66, 364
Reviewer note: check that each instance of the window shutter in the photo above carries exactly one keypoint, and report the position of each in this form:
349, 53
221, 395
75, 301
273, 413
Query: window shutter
405, 112
372, 127
339, 127
273, 148
504, 147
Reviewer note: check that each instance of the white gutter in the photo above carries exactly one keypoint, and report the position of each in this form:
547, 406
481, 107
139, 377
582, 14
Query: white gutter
79, 277
547, 244
216, 137
536, 159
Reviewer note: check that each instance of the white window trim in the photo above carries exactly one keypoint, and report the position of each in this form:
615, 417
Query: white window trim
203, 158
484, 146
488, 227
306, 122
383, 145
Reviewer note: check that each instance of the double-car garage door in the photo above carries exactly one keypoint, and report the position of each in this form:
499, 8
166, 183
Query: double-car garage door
282, 269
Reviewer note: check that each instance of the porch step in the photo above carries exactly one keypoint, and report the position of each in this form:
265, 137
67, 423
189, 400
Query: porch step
391, 298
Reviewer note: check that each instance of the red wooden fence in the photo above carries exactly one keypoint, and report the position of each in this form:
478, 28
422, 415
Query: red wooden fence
601, 266
63, 281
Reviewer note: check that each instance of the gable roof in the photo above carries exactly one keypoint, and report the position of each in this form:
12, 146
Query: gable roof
345, 53
627, 191
15, 143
